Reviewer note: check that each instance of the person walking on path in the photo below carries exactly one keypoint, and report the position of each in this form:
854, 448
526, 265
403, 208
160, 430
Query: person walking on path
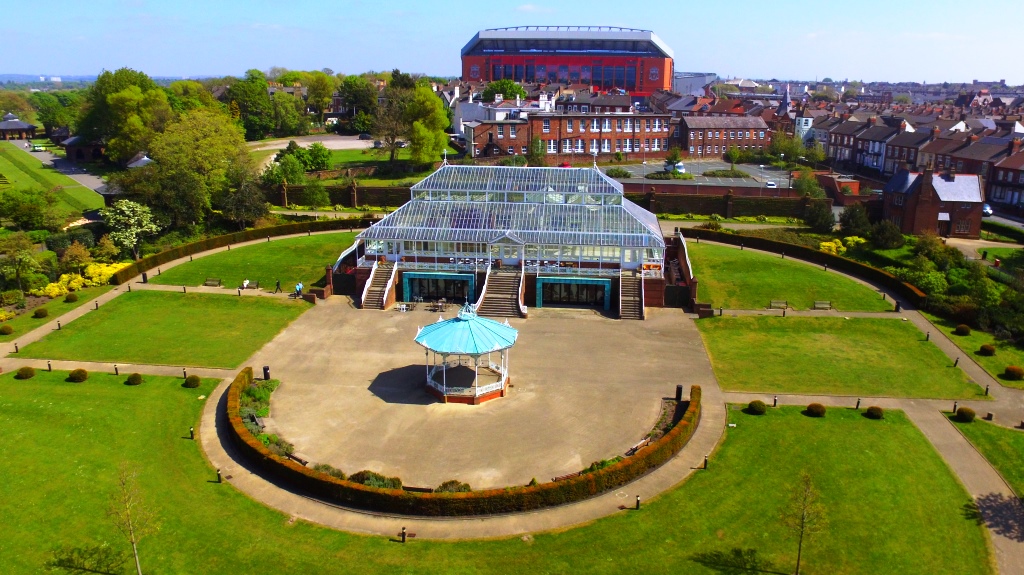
277, 288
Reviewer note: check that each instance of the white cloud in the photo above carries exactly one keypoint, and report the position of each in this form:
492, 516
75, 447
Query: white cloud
534, 9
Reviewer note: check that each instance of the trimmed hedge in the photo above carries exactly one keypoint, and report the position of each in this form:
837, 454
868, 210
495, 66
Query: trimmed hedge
1014, 373
875, 412
150, 262
962, 329
26, 372
490, 501
854, 268
192, 382
757, 407
816, 410
965, 415
78, 375
987, 349
6, 329
1004, 230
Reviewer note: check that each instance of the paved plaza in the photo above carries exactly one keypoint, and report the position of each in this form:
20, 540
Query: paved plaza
583, 388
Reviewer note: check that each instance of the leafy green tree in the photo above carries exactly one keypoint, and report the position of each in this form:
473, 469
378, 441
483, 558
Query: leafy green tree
246, 204
52, 112
723, 90
359, 94
428, 120
129, 223
140, 116
185, 95
105, 250
288, 114
814, 154
902, 99
316, 195
819, 218
401, 81
854, 220
255, 109
291, 172
733, 155
392, 123
319, 157
673, 156
807, 185
319, 91
75, 258
885, 235
535, 153
507, 88
32, 209
18, 104
18, 258
362, 122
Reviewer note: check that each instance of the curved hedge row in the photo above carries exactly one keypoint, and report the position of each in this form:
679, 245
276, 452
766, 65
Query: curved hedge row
482, 502
150, 262
855, 268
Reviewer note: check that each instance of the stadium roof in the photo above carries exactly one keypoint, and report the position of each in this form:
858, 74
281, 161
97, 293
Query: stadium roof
594, 40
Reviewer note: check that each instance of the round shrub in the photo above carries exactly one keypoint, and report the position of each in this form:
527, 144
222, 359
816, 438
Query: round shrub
25, 373
965, 414
71, 298
874, 412
6, 329
453, 486
192, 382
1013, 372
987, 349
962, 329
816, 410
78, 375
134, 379
757, 407
40, 312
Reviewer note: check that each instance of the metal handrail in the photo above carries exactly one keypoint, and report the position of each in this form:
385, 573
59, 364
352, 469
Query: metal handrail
686, 255
642, 298
388, 287
344, 254
369, 282
483, 291
522, 287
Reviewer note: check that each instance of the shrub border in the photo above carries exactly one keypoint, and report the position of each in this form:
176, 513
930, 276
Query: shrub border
150, 262
855, 268
483, 502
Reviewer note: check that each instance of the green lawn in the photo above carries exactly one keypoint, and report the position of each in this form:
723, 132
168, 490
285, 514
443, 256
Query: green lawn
1001, 253
167, 328
22, 169
740, 279
1006, 352
289, 260
25, 323
835, 356
1002, 447
893, 506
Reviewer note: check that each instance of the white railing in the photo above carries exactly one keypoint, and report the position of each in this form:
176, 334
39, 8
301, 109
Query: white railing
686, 255
642, 300
345, 254
389, 286
489, 388
522, 285
483, 291
369, 282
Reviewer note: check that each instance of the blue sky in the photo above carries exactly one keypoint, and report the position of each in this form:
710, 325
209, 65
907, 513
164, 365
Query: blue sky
929, 41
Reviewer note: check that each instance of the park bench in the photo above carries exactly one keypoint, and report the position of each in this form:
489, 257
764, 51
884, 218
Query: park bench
822, 305
256, 420
638, 446
567, 476
778, 304
297, 459
212, 282
252, 285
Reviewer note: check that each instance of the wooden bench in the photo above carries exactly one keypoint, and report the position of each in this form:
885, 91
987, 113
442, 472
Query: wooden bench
778, 304
252, 285
822, 305
256, 420
567, 476
298, 459
638, 446
212, 282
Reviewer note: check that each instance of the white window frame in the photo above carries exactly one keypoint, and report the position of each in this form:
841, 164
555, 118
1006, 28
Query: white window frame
552, 146
546, 128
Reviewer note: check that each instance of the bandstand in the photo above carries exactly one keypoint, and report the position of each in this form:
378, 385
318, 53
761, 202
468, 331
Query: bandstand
467, 345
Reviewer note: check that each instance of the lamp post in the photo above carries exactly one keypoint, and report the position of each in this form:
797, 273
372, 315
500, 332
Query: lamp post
761, 189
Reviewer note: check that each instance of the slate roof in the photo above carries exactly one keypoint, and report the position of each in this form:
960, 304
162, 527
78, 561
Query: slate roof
911, 139
956, 188
11, 122
878, 133
849, 128
723, 122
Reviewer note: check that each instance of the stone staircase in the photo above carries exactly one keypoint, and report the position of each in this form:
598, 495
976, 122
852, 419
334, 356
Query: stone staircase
502, 296
631, 305
378, 285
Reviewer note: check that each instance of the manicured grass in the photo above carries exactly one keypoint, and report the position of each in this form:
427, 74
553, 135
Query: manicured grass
23, 169
1006, 352
1000, 253
1002, 447
834, 356
290, 260
166, 328
892, 504
740, 279
25, 323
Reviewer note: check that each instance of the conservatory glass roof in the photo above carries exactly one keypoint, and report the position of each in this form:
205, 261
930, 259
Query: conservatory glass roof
565, 212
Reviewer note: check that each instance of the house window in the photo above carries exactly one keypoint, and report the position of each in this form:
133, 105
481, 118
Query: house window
566, 146
647, 124
732, 135
501, 132
627, 145
618, 125
959, 165
547, 126
691, 149
1021, 178
647, 143
579, 145
511, 150
629, 125
897, 199
552, 146
618, 145
691, 134
657, 144
963, 226
511, 131
595, 125
700, 150
606, 145
584, 109
760, 136
716, 149
568, 125
525, 148
593, 146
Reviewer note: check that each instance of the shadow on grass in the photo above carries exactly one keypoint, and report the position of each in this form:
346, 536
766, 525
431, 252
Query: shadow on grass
90, 559
736, 561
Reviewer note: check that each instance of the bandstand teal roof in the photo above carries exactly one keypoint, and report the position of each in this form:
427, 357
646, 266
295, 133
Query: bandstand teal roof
467, 334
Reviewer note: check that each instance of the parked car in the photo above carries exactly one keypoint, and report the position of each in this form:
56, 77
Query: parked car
403, 144
378, 144
38, 148
986, 210
770, 185
676, 167
365, 136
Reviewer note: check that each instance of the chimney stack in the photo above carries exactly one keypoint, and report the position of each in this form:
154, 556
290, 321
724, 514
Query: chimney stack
1014, 146
872, 120
975, 138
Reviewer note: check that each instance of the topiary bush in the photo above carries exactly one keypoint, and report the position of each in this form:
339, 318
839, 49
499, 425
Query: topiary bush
25, 373
329, 470
134, 379
71, 298
40, 312
78, 375
816, 410
6, 329
965, 415
874, 412
987, 349
367, 477
192, 382
757, 407
962, 329
1013, 372
453, 486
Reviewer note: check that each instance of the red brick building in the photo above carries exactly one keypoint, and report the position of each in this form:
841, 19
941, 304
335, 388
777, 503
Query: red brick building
947, 204
1007, 183
711, 136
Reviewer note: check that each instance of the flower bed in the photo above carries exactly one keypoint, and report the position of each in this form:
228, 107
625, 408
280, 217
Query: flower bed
506, 500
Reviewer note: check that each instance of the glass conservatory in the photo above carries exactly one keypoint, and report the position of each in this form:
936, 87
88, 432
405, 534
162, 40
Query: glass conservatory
550, 221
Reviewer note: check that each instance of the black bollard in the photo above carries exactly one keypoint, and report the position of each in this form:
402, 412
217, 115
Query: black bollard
97, 304
192, 433
783, 312
826, 267
741, 247
48, 366
403, 535
638, 503
721, 310
858, 403
268, 238
15, 347
954, 406
775, 401
129, 288
116, 372
183, 289
927, 336
956, 362
229, 247
883, 297
705, 462
184, 373
58, 325
189, 258
158, 271
266, 373
898, 307
239, 292
145, 278
783, 255
219, 479
986, 391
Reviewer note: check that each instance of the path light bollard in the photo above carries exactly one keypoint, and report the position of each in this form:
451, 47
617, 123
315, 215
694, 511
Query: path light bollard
783, 255
741, 246
783, 312
403, 535
192, 433
184, 373
129, 288
826, 267
229, 247
266, 373
883, 296
268, 239
956, 362
954, 406
116, 372
97, 304
775, 401
986, 391
679, 393
721, 310
158, 271
219, 479
58, 325
858, 403
898, 308
638, 503
189, 258
705, 462
183, 289
49, 366
927, 336
239, 292
15, 347
145, 278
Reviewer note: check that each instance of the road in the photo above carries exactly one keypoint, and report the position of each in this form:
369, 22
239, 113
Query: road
757, 179
330, 141
65, 167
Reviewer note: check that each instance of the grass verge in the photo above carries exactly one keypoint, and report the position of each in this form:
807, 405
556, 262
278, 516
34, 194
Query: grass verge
1007, 353
25, 323
1002, 447
151, 327
832, 355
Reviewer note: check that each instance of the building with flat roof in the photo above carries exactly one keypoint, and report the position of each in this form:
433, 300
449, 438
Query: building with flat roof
506, 238
605, 57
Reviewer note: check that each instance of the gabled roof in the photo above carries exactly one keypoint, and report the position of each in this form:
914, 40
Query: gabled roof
723, 122
911, 139
949, 188
849, 128
878, 133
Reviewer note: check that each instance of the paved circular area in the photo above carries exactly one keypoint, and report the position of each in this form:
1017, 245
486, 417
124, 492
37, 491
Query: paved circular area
584, 388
